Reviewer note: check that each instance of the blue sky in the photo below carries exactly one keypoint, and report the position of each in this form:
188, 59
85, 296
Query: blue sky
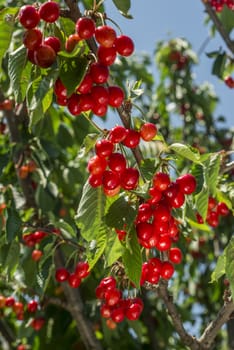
156, 20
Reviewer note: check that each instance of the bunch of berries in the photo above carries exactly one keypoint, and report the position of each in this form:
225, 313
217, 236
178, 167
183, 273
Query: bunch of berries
215, 210
41, 51
74, 279
219, 4
113, 306
118, 175
18, 307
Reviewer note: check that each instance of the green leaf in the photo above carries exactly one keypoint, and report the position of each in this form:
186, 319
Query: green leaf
13, 224
201, 227
44, 199
16, 64
185, 151
12, 258
219, 65
120, 214
101, 241
148, 168
123, 6
114, 250
132, 260
227, 19
230, 264
213, 172
202, 202
6, 30
72, 72
88, 144
67, 230
220, 268
90, 211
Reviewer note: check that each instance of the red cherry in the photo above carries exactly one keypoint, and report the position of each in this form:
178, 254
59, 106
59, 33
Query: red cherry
44, 56
71, 42
121, 234
161, 181
95, 180
199, 218
132, 138
117, 162
21, 347
38, 236
32, 306
105, 36
106, 55
112, 296
108, 283
117, 134
175, 255
133, 311
53, 42
29, 17
104, 148
86, 102
18, 307
99, 109
162, 213
124, 45
187, 183
118, 314
163, 243
73, 104
155, 194
74, 281
32, 38
148, 131
59, 89
9, 301
97, 165
155, 264
111, 193
212, 219
222, 209
86, 84
85, 27
116, 97
99, 73
144, 230
129, 179
144, 212
82, 269
61, 274
100, 95
2, 301
38, 323
30, 56
36, 254
49, 11
110, 180
167, 270
105, 311
177, 201
212, 203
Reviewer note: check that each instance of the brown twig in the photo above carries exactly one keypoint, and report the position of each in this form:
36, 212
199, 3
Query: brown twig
219, 26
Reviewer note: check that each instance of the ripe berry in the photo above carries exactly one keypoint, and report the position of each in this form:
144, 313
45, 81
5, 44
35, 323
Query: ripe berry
148, 131
222, 209
21, 347
105, 311
71, 42
99, 94
99, 109
95, 180
53, 42
175, 255
117, 162
105, 35
32, 38
36, 254
85, 85
118, 314
37, 323
111, 193
132, 138
133, 311
212, 203
187, 183
144, 230
104, 148
129, 179
86, 102
29, 17
49, 11
82, 269
59, 89
44, 56
99, 73
85, 27
116, 97
106, 55
167, 270
108, 283
61, 274
163, 243
18, 307
74, 281
112, 296
161, 181
212, 219
124, 45
117, 133
32, 306
162, 213
73, 104
110, 180
144, 212
10, 301
2, 301
97, 165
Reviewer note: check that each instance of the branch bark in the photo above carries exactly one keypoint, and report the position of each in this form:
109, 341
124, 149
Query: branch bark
219, 26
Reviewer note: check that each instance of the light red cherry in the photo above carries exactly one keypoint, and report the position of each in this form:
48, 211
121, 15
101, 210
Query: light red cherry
28, 16
124, 45
49, 11
105, 35
85, 27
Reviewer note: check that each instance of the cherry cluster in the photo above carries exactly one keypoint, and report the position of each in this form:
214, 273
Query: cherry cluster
41, 51
20, 309
229, 81
26, 169
92, 94
114, 306
74, 279
31, 240
109, 168
218, 5
215, 211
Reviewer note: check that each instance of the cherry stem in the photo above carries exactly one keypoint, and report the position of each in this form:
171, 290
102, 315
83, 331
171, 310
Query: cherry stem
116, 24
93, 123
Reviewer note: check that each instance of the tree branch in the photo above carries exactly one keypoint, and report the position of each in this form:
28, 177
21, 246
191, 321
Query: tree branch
214, 327
219, 26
